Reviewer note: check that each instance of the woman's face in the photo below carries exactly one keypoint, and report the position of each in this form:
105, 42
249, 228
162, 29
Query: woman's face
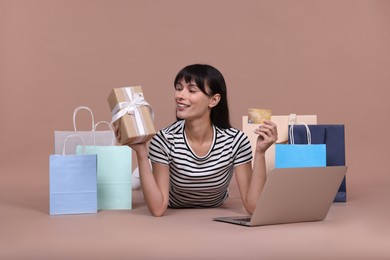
191, 102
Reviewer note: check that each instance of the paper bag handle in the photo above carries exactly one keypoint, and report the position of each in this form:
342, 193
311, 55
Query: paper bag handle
77, 109
73, 136
109, 126
292, 119
291, 133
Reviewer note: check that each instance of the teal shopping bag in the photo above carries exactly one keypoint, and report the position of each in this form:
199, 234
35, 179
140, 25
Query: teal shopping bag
113, 176
72, 182
300, 155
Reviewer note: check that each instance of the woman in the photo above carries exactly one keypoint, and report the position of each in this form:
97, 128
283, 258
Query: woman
194, 158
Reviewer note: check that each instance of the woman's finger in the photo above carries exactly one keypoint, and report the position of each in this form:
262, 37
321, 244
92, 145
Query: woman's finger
267, 132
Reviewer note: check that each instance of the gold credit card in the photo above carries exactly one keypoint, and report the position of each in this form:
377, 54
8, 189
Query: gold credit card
257, 116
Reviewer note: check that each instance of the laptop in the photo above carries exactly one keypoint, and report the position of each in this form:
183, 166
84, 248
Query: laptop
292, 195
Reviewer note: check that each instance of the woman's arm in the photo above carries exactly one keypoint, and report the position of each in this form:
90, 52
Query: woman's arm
251, 181
154, 184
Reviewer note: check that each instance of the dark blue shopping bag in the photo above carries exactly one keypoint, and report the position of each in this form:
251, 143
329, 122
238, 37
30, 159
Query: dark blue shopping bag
333, 135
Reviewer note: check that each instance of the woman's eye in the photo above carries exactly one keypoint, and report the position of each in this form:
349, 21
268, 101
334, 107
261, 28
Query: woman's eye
178, 87
193, 90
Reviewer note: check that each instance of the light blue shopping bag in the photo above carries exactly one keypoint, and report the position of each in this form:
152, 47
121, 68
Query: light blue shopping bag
300, 155
113, 176
73, 183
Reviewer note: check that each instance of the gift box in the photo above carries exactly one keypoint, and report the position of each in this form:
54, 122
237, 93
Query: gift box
132, 114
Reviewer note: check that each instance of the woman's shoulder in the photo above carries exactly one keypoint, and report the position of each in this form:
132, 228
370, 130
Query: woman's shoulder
174, 128
233, 132
232, 135
170, 132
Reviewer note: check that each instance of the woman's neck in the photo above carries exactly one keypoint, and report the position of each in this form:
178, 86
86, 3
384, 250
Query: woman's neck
199, 136
198, 130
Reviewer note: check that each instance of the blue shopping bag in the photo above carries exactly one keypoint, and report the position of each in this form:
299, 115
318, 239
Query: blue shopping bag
114, 171
300, 155
73, 183
333, 135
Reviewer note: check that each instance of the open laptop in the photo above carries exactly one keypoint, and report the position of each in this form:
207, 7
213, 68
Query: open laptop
293, 195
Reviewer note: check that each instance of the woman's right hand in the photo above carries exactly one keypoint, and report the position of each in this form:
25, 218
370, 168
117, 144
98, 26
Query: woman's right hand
139, 148
115, 127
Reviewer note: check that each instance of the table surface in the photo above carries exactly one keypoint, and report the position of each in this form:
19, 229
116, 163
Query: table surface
358, 229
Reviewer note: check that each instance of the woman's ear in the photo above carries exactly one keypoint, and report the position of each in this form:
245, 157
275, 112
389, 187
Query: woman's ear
214, 100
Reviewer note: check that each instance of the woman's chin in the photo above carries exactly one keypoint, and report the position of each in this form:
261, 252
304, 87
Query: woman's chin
180, 116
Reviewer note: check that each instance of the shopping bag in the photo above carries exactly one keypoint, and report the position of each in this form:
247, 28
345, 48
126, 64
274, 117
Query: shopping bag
300, 155
113, 176
92, 137
72, 182
282, 122
333, 135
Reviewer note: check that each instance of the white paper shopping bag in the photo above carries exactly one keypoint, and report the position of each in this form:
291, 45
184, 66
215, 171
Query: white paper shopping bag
91, 137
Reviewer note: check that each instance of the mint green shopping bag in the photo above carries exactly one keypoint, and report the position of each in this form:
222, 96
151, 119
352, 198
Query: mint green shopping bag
113, 176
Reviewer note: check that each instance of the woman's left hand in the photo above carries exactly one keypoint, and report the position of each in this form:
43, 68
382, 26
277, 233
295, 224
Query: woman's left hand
268, 135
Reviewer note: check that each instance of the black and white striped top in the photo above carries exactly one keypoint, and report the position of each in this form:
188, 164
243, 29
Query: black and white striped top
199, 181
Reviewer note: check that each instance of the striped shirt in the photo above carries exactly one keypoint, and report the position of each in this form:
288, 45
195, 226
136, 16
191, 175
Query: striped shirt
199, 181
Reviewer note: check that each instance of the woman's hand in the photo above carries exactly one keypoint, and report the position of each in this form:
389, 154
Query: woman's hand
115, 127
141, 147
268, 134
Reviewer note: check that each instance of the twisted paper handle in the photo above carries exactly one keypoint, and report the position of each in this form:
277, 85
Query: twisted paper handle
109, 126
73, 136
291, 133
75, 113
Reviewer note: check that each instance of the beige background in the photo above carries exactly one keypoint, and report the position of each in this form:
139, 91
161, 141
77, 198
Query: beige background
329, 58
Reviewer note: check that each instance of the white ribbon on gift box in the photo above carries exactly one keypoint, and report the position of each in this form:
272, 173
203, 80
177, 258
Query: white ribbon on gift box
131, 107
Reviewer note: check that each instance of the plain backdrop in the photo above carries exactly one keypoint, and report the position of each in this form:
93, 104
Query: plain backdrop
330, 58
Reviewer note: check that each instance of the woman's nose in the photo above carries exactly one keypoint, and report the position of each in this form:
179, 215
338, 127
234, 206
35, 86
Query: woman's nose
180, 94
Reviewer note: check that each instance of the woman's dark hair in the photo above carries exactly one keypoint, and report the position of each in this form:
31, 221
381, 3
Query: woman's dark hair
203, 75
